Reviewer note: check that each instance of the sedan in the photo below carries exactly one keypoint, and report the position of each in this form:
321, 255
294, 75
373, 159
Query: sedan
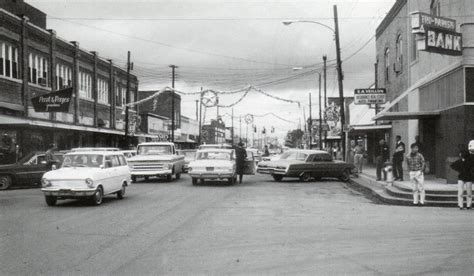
306, 165
87, 175
26, 172
215, 164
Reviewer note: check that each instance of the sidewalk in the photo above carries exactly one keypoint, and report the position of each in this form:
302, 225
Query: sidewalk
438, 193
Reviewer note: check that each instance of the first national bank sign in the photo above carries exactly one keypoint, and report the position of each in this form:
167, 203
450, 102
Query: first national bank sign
438, 34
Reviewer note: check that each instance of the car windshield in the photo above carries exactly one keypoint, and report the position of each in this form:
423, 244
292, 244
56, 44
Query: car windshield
187, 154
154, 150
214, 155
83, 160
291, 155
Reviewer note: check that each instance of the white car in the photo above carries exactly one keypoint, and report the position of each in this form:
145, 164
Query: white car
215, 164
87, 175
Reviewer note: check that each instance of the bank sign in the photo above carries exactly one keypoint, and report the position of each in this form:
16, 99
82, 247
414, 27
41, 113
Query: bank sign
438, 34
370, 96
57, 101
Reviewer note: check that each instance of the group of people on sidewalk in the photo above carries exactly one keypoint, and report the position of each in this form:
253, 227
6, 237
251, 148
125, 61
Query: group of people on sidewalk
417, 166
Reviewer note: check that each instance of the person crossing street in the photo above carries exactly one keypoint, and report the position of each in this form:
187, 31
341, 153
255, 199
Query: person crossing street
240, 156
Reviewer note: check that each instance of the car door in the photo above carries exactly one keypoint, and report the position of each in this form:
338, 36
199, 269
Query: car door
122, 171
322, 164
32, 171
250, 164
108, 175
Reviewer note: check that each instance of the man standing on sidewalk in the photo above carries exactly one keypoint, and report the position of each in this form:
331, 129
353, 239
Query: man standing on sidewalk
359, 157
382, 156
398, 158
416, 165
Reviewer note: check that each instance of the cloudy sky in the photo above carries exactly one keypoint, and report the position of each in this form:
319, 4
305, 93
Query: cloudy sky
229, 44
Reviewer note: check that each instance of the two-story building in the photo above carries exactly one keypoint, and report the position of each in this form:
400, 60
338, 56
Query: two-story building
425, 60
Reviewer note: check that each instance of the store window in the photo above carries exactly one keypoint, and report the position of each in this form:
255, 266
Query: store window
387, 64
399, 54
120, 95
85, 85
38, 69
8, 60
103, 91
63, 76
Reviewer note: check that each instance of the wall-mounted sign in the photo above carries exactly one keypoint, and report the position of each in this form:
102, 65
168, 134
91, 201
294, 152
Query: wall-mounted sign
57, 101
420, 20
441, 41
370, 96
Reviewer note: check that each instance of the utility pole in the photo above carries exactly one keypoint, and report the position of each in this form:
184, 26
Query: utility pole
127, 100
341, 89
376, 85
232, 129
320, 116
325, 99
173, 67
200, 117
240, 127
310, 124
197, 110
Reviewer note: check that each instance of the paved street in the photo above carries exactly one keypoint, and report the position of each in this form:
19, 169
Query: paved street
259, 227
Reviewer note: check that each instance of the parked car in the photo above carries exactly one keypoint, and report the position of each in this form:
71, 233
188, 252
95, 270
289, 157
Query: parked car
257, 155
26, 172
158, 159
306, 165
95, 149
189, 155
87, 175
215, 164
128, 153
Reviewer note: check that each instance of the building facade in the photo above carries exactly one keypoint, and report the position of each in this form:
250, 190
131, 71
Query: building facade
161, 104
33, 62
214, 133
429, 79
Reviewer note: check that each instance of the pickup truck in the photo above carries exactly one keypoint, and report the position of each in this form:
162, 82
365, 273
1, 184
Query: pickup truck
158, 159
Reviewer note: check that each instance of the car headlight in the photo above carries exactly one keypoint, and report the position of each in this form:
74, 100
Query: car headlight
45, 182
90, 182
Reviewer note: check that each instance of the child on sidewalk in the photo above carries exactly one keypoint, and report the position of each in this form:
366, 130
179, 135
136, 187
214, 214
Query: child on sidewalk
416, 165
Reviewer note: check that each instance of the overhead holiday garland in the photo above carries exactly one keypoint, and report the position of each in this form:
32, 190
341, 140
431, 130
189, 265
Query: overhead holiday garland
263, 115
245, 90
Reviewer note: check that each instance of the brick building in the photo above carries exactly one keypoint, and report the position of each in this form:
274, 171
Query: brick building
161, 105
33, 62
214, 133
429, 81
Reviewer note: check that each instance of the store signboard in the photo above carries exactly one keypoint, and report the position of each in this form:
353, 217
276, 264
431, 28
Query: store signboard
441, 41
57, 101
420, 20
370, 96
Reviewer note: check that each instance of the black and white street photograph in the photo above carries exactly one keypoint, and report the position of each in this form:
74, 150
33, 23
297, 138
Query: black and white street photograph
236, 137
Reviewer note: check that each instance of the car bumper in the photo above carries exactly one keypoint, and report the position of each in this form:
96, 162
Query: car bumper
151, 173
271, 171
70, 193
215, 175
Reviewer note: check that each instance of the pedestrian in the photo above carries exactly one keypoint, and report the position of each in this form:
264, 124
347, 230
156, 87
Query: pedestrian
398, 158
463, 166
266, 152
382, 156
359, 157
240, 156
416, 164
50, 158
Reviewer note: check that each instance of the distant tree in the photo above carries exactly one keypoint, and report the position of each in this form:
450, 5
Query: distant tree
294, 138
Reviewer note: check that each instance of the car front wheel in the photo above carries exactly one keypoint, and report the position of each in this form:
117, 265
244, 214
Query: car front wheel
195, 181
98, 197
178, 176
121, 193
306, 177
345, 176
277, 177
134, 179
5, 182
50, 200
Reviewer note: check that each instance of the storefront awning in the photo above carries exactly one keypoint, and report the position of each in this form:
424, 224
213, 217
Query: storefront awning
385, 114
18, 121
370, 127
406, 115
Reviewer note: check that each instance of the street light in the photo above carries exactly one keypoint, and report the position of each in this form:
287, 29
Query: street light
335, 31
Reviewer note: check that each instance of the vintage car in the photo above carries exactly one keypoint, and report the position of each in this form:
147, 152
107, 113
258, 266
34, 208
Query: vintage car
306, 165
26, 172
213, 164
215, 146
95, 149
189, 155
87, 175
158, 159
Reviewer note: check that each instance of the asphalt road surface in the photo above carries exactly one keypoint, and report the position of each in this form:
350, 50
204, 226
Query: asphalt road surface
258, 227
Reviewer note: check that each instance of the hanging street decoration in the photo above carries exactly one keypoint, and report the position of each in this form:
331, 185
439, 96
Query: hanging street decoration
249, 119
209, 98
